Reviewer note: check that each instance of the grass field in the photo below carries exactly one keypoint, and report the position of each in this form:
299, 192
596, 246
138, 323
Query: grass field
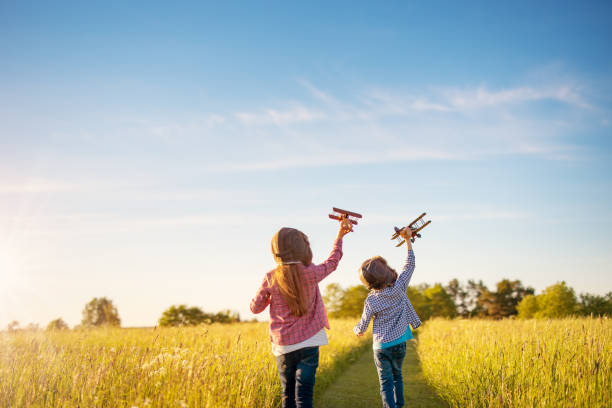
206, 366
513, 363
476, 363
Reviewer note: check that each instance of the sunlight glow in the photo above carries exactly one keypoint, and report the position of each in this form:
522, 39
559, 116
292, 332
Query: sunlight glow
8, 271
11, 280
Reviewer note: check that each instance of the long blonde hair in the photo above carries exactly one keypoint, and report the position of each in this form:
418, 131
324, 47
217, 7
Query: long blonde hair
291, 251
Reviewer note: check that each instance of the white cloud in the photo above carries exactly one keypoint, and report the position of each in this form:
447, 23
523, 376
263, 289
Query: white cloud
482, 97
375, 126
191, 126
425, 105
319, 94
279, 117
389, 102
385, 102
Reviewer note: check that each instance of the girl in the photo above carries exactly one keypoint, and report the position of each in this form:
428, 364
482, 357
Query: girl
393, 314
297, 315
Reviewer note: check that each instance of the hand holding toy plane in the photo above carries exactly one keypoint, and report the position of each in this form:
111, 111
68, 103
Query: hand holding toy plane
346, 218
415, 226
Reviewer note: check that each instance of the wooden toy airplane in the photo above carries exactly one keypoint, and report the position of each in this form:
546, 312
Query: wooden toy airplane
342, 215
415, 226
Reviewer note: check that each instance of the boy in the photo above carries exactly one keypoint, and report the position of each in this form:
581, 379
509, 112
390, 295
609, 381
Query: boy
393, 315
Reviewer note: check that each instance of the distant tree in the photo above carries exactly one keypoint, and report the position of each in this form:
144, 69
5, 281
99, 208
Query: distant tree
595, 305
440, 302
12, 326
486, 303
471, 299
57, 324
181, 315
344, 302
558, 300
421, 304
528, 307
459, 295
431, 301
100, 312
32, 327
225, 316
509, 294
474, 292
502, 303
353, 300
332, 298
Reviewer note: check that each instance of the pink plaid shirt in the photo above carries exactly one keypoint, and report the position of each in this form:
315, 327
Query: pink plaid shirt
285, 328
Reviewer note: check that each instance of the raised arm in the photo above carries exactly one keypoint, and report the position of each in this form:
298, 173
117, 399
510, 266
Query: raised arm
330, 265
262, 298
404, 279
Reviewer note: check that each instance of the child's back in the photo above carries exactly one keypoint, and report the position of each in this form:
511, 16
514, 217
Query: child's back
297, 315
389, 306
393, 315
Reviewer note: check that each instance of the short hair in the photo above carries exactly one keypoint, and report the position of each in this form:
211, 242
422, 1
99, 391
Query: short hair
376, 274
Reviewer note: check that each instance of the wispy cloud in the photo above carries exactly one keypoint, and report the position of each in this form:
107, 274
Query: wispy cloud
385, 102
482, 97
280, 117
456, 100
383, 125
371, 125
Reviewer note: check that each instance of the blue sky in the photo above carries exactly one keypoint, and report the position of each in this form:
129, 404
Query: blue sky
148, 152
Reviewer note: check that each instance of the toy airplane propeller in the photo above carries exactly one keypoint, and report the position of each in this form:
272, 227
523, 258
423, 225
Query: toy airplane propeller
342, 215
415, 226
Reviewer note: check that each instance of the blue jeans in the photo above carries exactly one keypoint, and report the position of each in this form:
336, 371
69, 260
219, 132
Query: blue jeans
297, 373
389, 366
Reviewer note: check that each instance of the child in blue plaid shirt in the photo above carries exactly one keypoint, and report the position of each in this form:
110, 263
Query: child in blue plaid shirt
393, 315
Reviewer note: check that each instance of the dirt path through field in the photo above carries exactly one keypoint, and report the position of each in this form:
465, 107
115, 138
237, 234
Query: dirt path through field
358, 386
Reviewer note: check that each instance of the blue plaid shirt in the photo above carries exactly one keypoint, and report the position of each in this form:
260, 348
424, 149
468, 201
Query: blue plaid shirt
391, 309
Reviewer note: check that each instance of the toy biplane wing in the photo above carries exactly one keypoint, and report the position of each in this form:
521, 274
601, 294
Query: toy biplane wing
342, 215
417, 225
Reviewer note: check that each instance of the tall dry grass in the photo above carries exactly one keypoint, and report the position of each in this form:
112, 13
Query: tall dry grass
511, 363
206, 366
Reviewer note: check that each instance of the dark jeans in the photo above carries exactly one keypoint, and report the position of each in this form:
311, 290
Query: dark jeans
297, 373
389, 365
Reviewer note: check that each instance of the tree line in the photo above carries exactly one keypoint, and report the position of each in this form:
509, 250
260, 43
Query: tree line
101, 312
456, 299
474, 299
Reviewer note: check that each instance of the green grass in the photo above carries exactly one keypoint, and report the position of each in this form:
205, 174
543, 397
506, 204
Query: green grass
514, 363
358, 387
206, 367
510, 363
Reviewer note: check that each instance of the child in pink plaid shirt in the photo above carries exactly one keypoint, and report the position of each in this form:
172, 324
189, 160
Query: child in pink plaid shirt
297, 315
